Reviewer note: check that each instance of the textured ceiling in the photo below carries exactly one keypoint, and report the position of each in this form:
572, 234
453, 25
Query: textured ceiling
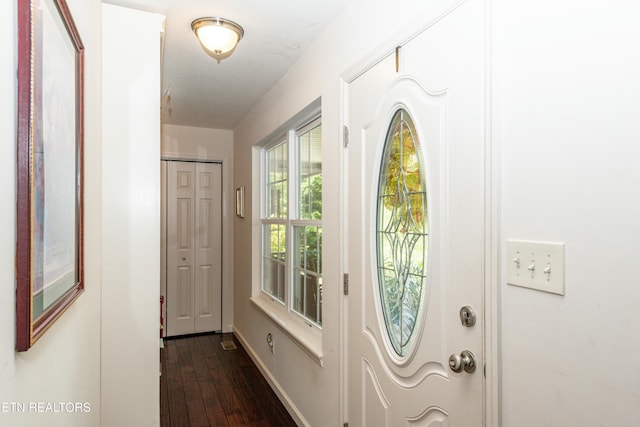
204, 93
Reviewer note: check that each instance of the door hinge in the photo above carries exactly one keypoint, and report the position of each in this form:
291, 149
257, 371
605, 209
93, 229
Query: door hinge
345, 136
345, 284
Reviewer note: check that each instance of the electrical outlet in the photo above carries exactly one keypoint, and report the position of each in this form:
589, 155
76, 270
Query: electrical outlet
270, 342
536, 265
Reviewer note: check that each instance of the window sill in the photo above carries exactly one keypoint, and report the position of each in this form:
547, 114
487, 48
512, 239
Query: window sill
308, 340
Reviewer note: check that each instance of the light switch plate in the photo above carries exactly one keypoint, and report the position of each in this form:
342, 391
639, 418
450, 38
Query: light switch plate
536, 265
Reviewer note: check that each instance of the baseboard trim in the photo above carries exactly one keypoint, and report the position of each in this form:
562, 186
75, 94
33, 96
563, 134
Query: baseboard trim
277, 389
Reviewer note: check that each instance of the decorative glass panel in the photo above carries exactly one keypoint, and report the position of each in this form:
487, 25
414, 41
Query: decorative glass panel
402, 233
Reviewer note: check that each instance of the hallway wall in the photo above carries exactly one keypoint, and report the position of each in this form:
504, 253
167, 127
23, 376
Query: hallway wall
196, 143
64, 365
566, 160
131, 217
315, 392
567, 118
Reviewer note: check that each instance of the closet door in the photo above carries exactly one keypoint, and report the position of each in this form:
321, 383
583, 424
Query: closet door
208, 247
193, 245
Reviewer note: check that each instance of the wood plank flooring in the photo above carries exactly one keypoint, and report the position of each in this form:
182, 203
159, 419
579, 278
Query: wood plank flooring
203, 385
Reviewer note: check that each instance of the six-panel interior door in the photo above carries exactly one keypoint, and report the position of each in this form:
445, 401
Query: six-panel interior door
440, 84
194, 247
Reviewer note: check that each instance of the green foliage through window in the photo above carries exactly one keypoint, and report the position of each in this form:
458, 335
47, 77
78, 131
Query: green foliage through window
310, 184
273, 263
277, 180
307, 272
292, 222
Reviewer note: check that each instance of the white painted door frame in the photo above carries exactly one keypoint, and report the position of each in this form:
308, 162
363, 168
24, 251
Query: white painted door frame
491, 307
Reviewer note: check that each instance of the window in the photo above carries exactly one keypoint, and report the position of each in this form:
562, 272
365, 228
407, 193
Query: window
292, 221
274, 224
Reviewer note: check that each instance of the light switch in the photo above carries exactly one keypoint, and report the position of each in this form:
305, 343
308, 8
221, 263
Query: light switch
536, 265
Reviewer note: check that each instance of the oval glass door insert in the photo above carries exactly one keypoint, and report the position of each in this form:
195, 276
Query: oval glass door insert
402, 233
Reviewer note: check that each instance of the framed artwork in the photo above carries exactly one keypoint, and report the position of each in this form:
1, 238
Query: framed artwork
49, 243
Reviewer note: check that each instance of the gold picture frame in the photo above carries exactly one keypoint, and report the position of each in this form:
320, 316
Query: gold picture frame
49, 244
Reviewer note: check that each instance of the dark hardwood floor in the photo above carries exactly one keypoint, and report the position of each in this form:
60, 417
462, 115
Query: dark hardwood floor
203, 385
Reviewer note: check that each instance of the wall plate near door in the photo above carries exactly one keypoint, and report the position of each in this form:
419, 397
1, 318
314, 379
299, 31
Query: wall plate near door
536, 265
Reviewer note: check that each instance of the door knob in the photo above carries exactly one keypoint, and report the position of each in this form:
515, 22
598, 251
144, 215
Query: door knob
464, 361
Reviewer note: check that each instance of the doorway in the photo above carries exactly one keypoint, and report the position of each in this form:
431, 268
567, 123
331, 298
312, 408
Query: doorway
416, 221
192, 246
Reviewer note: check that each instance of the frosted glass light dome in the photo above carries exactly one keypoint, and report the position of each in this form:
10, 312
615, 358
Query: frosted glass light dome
217, 36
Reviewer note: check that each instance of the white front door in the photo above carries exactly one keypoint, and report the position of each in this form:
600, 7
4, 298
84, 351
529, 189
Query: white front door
194, 247
411, 272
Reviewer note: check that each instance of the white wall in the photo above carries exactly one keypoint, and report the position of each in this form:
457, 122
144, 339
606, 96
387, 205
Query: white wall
63, 365
568, 119
566, 131
194, 143
131, 217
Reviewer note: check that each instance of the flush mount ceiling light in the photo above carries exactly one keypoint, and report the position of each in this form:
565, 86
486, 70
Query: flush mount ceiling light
217, 36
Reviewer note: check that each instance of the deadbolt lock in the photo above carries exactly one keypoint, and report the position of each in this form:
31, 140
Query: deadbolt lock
467, 316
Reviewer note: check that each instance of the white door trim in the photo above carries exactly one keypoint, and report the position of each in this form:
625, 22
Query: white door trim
492, 234
491, 292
